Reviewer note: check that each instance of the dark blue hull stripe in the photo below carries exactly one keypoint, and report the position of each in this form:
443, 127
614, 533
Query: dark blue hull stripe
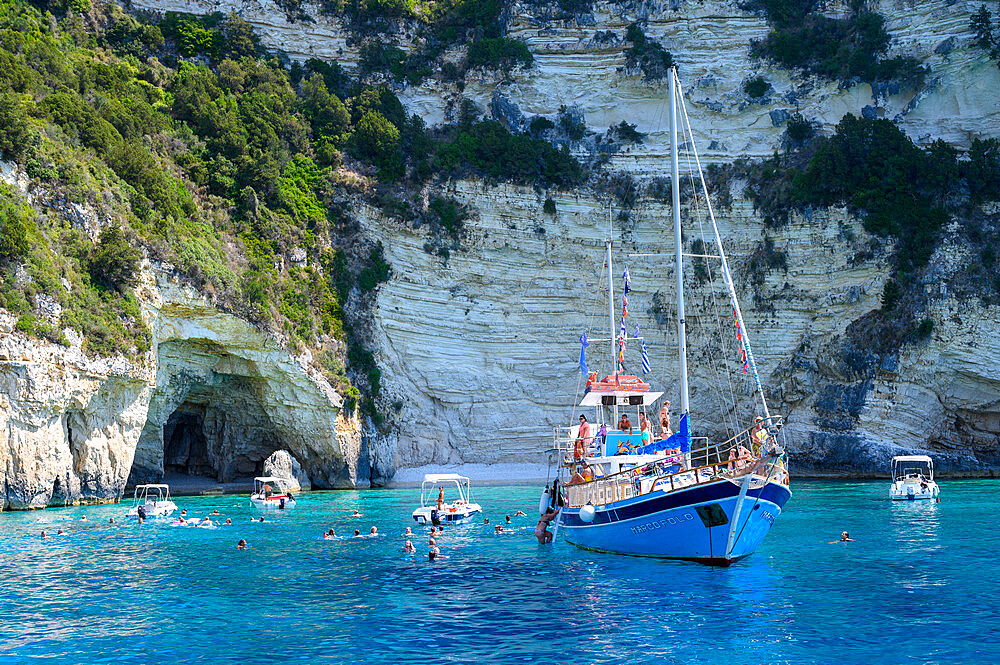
648, 504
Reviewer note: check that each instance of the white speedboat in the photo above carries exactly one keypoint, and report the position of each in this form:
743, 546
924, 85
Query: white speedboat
435, 510
151, 501
272, 493
912, 478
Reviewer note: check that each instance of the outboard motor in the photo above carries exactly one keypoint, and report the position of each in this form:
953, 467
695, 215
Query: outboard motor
281, 504
435, 520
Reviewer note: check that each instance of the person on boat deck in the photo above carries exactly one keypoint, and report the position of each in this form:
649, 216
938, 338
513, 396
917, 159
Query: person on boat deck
542, 528
738, 457
582, 438
758, 436
645, 429
267, 490
624, 424
440, 501
665, 420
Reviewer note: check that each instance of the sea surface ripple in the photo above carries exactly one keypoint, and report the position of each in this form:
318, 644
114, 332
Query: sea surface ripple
913, 588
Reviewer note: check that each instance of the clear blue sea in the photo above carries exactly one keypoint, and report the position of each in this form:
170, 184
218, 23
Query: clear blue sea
916, 587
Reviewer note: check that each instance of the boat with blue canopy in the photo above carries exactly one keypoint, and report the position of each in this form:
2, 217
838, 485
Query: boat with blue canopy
620, 488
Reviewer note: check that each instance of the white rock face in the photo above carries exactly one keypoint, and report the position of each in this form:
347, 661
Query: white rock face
483, 350
76, 429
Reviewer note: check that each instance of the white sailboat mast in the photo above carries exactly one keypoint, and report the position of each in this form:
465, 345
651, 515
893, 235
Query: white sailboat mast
611, 311
679, 270
727, 276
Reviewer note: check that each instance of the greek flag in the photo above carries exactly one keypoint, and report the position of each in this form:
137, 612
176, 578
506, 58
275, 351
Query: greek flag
583, 355
645, 359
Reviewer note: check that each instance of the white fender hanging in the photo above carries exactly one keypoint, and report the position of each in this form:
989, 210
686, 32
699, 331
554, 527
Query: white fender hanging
587, 514
544, 501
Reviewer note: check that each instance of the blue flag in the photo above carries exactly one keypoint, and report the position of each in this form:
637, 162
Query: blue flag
583, 353
645, 359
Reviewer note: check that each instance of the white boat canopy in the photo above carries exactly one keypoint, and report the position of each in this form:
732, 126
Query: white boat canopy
439, 477
912, 458
620, 397
153, 487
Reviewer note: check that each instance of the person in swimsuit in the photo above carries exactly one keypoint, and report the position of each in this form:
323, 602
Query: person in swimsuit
665, 420
409, 548
582, 439
330, 535
440, 501
242, 545
542, 528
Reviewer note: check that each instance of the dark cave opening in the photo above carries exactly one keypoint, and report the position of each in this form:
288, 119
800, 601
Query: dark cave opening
185, 448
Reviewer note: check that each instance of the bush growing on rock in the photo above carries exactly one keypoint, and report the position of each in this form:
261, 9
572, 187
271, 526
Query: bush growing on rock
114, 262
15, 225
648, 55
756, 87
498, 53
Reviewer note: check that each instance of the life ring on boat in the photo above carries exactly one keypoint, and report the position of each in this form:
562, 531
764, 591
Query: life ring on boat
578, 450
591, 381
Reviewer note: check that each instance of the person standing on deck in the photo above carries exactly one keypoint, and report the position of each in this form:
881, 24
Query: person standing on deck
665, 420
582, 439
440, 501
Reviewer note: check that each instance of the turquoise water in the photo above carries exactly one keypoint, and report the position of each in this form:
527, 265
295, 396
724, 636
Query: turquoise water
916, 587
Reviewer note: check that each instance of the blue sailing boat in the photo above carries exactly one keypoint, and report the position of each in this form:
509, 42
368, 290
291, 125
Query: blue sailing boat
678, 497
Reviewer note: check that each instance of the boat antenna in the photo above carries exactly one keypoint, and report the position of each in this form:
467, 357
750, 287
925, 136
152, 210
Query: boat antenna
679, 249
727, 276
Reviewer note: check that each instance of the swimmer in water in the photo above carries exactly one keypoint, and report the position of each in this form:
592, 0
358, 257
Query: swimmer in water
229, 521
261, 520
111, 520
59, 532
409, 548
206, 522
433, 553
409, 532
373, 533
431, 543
357, 533
43, 534
330, 535
83, 519
844, 538
215, 512
498, 529
242, 545
508, 520
486, 521
520, 513
355, 513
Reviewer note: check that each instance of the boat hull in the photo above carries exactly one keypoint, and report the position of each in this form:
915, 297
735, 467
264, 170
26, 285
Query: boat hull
903, 491
463, 515
690, 524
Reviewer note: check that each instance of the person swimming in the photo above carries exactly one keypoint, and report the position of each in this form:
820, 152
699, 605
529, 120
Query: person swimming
330, 535
373, 533
355, 513
229, 521
409, 548
111, 520
357, 533
215, 512
520, 513
43, 534
408, 532
844, 538
498, 529
508, 520
242, 545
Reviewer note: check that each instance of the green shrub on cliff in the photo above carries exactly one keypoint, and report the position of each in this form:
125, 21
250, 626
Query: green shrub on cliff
835, 48
114, 262
646, 54
15, 226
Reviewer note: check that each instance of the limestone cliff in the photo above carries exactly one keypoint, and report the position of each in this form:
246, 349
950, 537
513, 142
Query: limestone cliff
215, 397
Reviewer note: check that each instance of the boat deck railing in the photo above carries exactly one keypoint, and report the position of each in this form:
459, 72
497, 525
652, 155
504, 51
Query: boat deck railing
705, 463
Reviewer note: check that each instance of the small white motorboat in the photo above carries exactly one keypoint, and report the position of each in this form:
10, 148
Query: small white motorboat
151, 501
272, 493
434, 510
913, 478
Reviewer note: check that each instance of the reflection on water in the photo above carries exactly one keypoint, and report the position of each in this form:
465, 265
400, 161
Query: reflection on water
124, 593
